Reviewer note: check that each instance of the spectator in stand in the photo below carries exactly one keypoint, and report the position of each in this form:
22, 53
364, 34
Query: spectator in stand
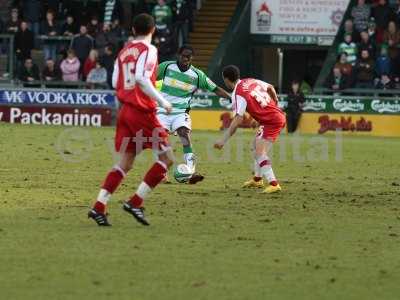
372, 30
116, 28
94, 26
32, 11
90, 63
105, 37
29, 72
69, 28
350, 48
366, 44
49, 29
392, 38
361, 13
182, 14
349, 30
70, 67
53, 5
382, 13
365, 71
118, 32
50, 72
162, 14
107, 60
337, 81
343, 65
164, 40
82, 44
295, 104
12, 25
23, 42
383, 64
397, 12
385, 83
98, 76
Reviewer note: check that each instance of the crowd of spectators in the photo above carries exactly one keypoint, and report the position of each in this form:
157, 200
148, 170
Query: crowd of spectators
369, 56
75, 43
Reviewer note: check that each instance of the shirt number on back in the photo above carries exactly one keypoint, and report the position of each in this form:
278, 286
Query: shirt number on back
128, 70
261, 96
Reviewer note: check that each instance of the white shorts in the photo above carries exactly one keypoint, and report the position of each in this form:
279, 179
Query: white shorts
173, 122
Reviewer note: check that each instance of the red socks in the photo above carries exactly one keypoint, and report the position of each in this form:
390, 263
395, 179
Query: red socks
273, 183
99, 207
153, 177
136, 201
113, 180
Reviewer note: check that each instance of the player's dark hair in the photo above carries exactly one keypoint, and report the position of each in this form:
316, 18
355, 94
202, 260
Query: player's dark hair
186, 47
143, 24
231, 72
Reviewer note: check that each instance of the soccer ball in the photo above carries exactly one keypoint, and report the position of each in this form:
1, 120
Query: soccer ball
182, 173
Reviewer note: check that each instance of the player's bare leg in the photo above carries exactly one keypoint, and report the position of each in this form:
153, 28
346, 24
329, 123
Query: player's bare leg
262, 148
257, 180
111, 183
135, 206
188, 155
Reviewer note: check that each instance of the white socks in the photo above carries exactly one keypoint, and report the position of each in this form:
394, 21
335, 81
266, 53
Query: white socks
104, 196
143, 190
190, 161
265, 168
257, 171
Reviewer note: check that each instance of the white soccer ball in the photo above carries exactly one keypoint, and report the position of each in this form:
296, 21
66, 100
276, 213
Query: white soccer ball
182, 173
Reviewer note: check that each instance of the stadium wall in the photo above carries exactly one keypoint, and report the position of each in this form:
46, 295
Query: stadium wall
378, 116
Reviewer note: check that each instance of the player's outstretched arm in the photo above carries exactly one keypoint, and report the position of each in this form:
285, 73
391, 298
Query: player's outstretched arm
237, 120
222, 93
149, 89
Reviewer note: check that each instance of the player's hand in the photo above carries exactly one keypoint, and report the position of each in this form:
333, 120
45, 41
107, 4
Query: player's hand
219, 144
168, 108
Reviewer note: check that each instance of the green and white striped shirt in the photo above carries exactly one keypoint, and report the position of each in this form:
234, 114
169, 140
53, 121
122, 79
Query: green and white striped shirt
178, 87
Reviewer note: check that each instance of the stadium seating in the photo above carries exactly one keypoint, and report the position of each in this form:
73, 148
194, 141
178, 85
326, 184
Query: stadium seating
373, 27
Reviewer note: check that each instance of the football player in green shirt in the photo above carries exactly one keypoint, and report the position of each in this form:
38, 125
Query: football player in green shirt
180, 80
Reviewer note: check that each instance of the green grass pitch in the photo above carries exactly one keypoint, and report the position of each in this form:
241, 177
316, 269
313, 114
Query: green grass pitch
333, 233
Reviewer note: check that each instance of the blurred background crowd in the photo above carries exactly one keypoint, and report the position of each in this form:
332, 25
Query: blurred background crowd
72, 41
368, 56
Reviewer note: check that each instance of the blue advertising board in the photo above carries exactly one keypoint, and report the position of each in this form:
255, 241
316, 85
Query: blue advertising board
76, 98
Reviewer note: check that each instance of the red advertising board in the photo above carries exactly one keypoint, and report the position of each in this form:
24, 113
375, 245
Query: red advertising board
66, 116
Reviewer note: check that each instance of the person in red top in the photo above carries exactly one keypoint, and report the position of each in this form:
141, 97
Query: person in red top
260, 100
90, 63
138, 128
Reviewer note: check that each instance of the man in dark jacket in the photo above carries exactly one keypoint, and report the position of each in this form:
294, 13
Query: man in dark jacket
23, 42
365, 70
108, 60
366, 44
28, 73
183, 16
385, 83
32, 10
295, 103
383, 13
337, 81
51, 72
82, 44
